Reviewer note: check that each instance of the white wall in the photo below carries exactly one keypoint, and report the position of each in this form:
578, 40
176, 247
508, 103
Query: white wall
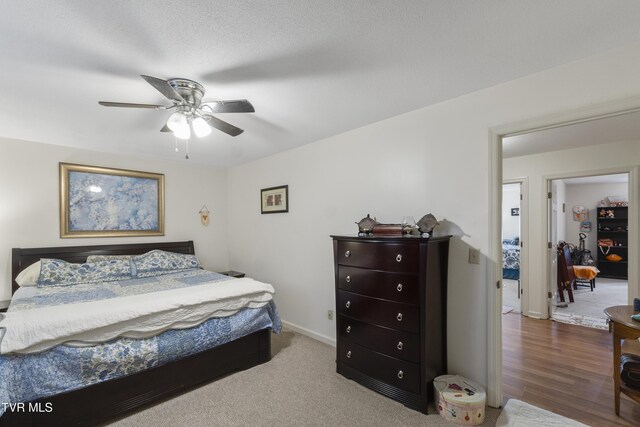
554, 164
510, 200
29, 202
435, 160
588, 195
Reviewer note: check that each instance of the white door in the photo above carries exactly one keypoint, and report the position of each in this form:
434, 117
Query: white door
552, 254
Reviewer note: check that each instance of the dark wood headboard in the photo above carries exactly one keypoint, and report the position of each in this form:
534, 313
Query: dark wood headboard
22, 258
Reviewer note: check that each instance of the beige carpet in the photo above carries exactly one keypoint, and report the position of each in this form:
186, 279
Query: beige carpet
299, 386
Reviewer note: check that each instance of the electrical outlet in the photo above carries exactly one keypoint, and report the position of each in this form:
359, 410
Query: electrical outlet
474, 256
330, 314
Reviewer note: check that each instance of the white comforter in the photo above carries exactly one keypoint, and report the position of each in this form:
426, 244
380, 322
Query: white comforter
135, 316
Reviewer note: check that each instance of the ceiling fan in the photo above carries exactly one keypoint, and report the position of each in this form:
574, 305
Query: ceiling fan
191, 112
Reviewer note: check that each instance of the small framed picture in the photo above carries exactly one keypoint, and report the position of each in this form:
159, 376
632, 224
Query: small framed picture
585, 226
274, 199
515, 211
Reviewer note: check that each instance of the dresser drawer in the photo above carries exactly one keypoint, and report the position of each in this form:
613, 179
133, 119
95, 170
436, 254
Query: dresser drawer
401, 287
398, 373
395, 315
379, 256
399, 344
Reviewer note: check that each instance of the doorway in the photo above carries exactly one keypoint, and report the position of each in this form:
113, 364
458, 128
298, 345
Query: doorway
537, 300
593, 222
512, 242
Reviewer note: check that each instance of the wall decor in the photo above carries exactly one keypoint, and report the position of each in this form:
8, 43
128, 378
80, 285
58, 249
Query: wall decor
515, 211
585, 226
580, 213
274, 199
204, 215
104, 202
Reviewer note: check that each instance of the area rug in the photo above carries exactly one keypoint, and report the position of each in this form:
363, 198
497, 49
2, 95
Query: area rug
506, 309
580, 319
520, 414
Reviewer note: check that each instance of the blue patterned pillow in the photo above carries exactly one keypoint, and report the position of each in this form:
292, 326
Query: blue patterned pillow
56, 272
128, 258
157, 262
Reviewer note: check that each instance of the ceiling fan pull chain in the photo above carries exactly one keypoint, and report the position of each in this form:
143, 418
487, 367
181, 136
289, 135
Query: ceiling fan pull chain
175, 139
186, 141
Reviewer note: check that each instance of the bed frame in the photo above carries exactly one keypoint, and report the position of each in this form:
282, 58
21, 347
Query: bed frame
114, 398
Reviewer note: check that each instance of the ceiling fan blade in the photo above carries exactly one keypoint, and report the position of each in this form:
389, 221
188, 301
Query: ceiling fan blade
225, 127
165, 128
164, 88
130, 105
235, 106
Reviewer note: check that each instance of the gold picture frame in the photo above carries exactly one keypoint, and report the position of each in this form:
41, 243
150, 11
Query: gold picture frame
106, 202
274, 199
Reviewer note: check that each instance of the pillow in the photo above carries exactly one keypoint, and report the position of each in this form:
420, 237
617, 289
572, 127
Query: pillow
157, 262
96, 258
99, 258
29, 276
515, 241
56, 272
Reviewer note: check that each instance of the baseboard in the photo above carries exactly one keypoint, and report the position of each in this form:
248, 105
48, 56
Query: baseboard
311, 334
536, 315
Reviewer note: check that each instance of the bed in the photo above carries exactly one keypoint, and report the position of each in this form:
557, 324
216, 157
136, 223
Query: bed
511, 259
184, 357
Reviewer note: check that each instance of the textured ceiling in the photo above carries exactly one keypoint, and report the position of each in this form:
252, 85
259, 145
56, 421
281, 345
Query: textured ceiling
311, 68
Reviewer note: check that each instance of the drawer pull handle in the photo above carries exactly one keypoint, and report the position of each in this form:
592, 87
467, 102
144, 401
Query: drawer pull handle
399, 258
399, 316
348, 279
400, 374
349, 329
400, 345
399, 288
347, 254
348, 304
349, 354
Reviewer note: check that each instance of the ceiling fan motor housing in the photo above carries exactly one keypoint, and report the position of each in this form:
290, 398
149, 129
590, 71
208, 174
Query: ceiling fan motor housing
192, 92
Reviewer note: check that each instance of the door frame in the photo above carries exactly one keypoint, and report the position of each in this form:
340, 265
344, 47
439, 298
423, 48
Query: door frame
494, 299
632, 188
524, 239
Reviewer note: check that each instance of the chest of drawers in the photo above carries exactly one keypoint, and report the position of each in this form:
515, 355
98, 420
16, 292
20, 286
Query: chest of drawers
391, 312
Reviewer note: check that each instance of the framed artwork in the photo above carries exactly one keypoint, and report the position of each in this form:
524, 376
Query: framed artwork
104, 202
515, 211
274, 199
585, 226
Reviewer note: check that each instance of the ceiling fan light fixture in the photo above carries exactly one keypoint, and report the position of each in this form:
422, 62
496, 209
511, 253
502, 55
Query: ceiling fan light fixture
200, 127
178, 122
183, 132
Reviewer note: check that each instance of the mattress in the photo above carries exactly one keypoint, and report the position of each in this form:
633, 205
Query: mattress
65, 367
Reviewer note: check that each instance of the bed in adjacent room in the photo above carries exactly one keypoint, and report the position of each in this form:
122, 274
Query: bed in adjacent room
511, 258
96, 331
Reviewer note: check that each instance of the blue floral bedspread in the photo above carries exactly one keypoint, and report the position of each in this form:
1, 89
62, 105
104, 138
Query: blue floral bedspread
64, 368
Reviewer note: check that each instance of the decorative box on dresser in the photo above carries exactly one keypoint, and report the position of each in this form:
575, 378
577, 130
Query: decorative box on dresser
391, 299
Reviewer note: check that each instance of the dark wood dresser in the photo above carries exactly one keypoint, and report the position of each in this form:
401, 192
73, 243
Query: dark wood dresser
391, 299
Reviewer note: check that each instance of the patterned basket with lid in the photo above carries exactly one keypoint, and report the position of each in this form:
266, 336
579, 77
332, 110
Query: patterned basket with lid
459, 400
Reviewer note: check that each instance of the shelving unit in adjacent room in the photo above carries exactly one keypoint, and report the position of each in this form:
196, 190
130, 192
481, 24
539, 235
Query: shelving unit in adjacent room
613, 224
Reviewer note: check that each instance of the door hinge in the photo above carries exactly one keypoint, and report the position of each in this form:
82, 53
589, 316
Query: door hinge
521, 244
549, 195
498, 284
548, 294
549, 245
521, 197
521, 291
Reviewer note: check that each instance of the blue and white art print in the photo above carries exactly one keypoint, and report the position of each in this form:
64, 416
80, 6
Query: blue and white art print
110, 202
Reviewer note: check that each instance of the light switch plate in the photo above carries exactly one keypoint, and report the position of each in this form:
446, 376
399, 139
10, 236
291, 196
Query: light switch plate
474, 256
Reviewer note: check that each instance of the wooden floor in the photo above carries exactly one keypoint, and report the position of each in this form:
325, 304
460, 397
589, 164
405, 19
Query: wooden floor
563, 368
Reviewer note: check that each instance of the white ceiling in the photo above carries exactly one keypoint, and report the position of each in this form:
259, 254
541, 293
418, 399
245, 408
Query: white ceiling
311, 68
624, 127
